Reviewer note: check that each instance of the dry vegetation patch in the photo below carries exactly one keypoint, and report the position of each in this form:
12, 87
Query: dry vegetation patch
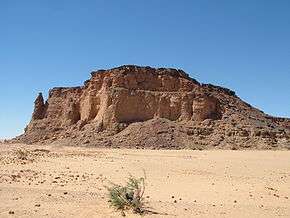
128, 196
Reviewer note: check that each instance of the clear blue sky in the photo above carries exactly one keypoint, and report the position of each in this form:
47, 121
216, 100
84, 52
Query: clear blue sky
243, 45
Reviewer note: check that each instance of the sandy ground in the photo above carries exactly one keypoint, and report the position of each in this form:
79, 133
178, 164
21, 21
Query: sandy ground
69, 182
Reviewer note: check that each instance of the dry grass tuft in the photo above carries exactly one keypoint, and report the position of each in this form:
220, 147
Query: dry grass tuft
22, 154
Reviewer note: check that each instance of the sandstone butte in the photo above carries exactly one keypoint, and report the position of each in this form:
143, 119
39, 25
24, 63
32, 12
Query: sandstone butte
153, 108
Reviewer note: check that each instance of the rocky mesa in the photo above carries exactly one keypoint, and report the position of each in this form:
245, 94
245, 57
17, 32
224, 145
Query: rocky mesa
154, 108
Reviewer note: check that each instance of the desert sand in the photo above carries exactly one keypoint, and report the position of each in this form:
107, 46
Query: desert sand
58, 181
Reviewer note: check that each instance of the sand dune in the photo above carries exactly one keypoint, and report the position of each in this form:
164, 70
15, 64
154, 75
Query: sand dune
69, 182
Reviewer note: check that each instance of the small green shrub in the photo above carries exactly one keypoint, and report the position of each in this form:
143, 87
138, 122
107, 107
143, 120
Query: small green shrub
129, 196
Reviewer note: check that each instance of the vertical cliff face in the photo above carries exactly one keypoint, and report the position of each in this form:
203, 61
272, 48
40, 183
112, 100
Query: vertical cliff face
111, 107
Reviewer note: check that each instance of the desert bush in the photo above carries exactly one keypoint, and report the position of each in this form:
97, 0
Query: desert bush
128, 196
22, 154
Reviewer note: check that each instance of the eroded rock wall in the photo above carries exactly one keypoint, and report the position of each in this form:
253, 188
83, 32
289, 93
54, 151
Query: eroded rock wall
197, 115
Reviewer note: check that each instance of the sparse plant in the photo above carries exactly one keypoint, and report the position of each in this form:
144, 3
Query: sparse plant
129, 196
22, 154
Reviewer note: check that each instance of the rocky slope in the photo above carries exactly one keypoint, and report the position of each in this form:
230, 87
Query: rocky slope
144, 107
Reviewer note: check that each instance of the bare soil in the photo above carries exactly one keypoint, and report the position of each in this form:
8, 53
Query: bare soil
56, 181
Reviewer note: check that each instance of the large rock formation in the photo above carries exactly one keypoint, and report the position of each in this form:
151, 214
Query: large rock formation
144, 107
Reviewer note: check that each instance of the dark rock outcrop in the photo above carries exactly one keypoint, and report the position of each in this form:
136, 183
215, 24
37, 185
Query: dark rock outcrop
39, 108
